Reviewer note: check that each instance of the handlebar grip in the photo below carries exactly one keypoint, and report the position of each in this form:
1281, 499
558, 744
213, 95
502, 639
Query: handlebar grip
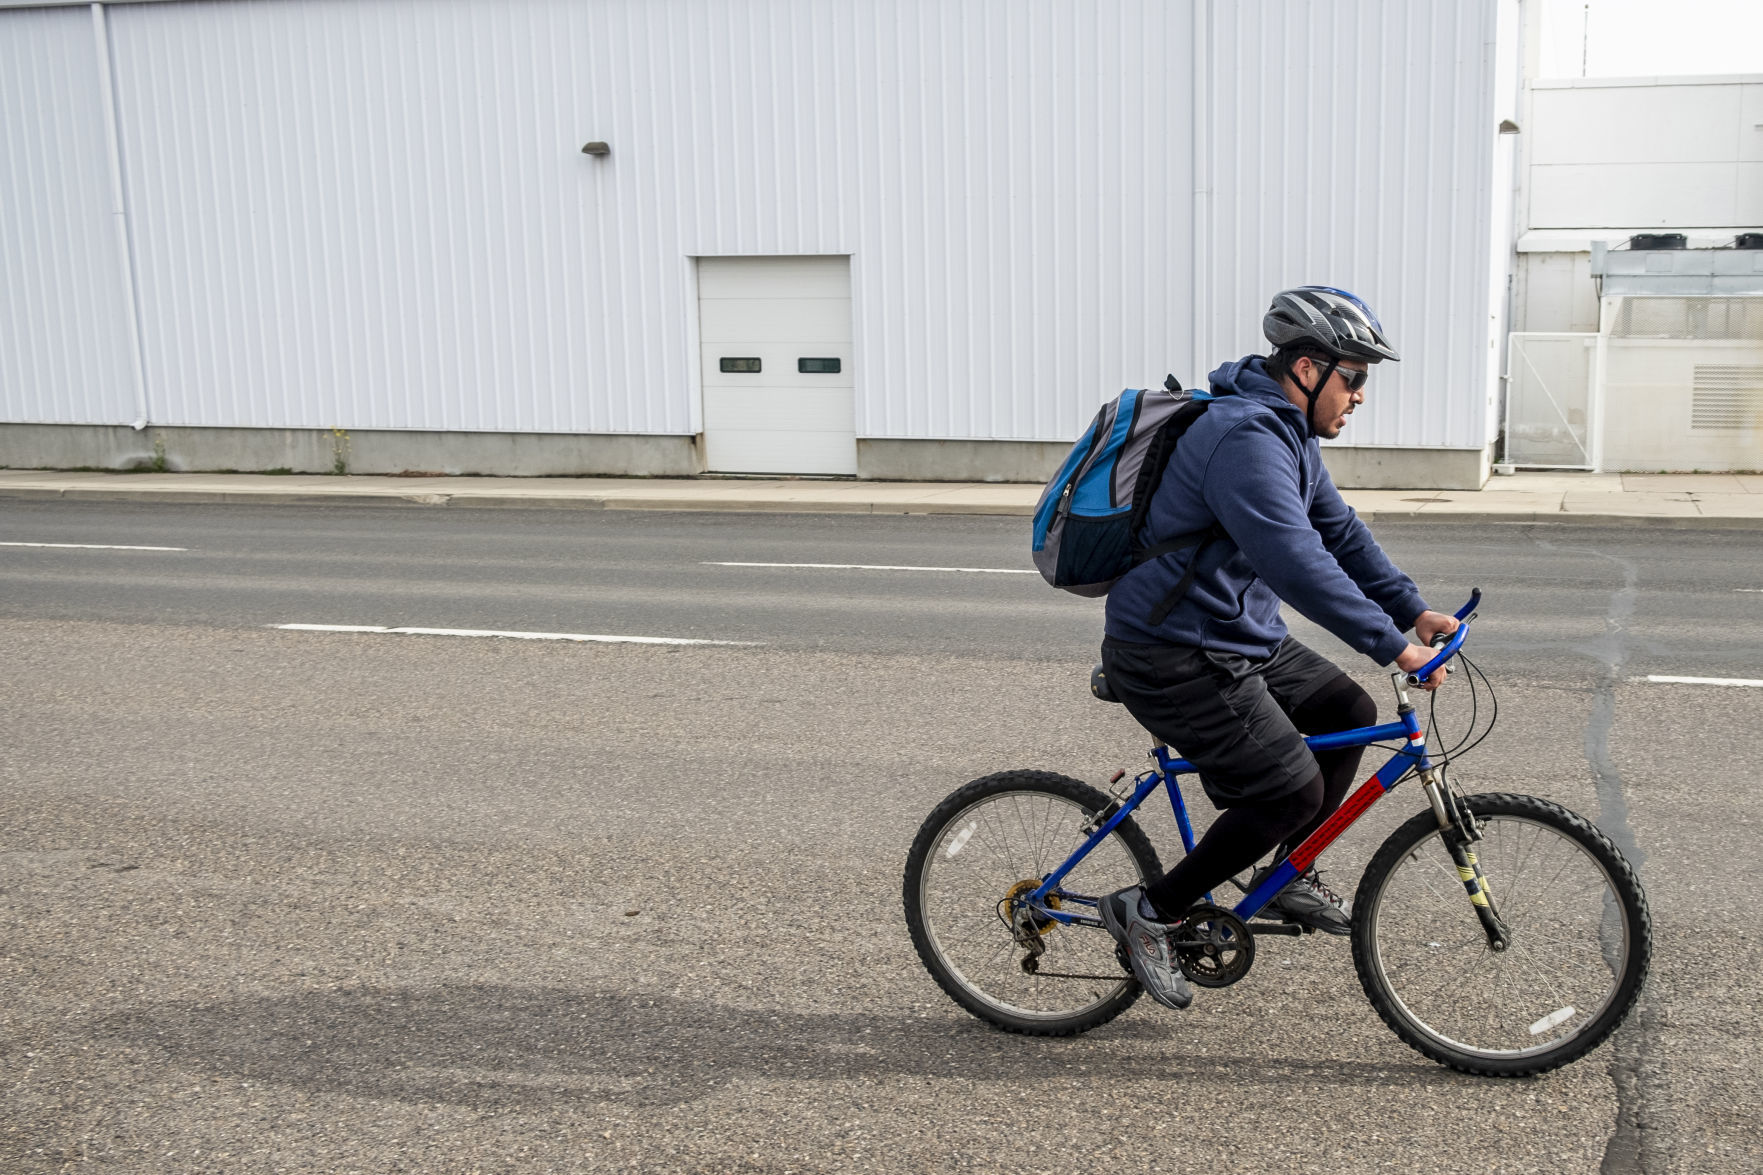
1450, 650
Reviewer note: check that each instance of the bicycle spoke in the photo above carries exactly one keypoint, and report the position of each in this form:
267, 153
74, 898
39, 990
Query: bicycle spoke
1561, 965
1019, 836
1051, 826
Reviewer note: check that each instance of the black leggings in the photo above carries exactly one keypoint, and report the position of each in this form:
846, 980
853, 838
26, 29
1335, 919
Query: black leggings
1242, 835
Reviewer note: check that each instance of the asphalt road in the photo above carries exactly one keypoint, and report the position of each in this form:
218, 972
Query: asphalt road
309, 901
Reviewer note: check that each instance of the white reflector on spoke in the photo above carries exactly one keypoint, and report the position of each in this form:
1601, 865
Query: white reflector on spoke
960, 839
1551, 1020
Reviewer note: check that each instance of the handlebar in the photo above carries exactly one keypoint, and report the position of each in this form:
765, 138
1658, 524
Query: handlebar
1464, 614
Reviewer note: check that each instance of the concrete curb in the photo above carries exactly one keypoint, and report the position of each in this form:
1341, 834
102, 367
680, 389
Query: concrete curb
474, 499
1564, 518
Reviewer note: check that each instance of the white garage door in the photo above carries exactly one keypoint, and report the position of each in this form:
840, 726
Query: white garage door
775, 334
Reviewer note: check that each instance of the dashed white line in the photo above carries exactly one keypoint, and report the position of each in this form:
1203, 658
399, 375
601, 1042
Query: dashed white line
1748, 589
881, 567
94, 546
579, 637
1754, 683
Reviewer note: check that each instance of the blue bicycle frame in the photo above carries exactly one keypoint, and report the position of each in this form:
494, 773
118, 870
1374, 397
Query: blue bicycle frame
1411, 757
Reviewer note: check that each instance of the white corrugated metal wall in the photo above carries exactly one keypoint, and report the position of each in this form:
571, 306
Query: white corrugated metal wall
1352, 145
372, 214
65, 349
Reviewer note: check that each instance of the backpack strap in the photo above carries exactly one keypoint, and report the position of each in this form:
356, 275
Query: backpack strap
1150, 474
1197, 539
1156, 463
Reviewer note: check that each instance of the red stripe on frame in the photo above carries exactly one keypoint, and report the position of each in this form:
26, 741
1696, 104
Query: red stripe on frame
1305, 854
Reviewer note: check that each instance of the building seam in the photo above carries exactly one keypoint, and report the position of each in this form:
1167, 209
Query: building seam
1200, 261
119, 210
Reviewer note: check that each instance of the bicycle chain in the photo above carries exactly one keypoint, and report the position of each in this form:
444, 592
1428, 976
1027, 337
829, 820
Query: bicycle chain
1031, 965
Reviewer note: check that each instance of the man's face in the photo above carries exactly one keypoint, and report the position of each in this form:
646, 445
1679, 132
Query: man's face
1338, 397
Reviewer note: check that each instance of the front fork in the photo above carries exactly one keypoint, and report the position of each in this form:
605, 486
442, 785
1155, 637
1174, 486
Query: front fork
1458, 829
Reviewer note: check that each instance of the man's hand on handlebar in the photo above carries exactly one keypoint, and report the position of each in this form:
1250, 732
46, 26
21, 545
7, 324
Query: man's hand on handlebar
1414, 658
1430, 627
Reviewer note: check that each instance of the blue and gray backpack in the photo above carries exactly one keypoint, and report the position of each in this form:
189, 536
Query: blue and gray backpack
1087, 523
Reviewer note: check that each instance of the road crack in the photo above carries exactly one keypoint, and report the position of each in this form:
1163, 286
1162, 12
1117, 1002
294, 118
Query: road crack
1633, 1147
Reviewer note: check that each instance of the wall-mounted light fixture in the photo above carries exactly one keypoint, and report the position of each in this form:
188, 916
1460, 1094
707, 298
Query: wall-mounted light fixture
596, 148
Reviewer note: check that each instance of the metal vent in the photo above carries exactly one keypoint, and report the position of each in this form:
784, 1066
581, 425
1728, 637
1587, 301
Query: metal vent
1726, 396
1731, 319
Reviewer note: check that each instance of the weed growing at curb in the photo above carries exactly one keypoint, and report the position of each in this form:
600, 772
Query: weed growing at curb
339, 451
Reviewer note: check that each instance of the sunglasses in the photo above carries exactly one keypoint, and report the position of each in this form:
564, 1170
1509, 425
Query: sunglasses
1354, 379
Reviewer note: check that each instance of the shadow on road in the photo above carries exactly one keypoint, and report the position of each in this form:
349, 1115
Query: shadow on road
494, 1045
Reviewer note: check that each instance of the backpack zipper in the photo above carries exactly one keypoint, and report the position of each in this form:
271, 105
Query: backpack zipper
1071, 482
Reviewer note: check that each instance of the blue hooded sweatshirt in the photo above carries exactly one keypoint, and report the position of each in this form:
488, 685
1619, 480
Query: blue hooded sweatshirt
1249, 466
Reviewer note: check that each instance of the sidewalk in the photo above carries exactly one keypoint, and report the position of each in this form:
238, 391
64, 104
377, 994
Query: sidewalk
1673, 500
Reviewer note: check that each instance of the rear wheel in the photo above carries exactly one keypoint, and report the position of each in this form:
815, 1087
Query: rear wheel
984, 847
1581, 939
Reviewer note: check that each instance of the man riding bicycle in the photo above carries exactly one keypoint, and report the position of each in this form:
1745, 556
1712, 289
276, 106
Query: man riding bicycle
1211, 670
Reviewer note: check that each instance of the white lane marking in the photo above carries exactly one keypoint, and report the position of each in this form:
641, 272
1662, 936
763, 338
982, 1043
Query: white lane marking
1754, 683
334, 627
1748, 589
94, 546
580, 637
881, 567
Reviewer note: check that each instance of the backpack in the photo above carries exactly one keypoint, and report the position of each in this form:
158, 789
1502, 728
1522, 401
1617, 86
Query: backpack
1088, 516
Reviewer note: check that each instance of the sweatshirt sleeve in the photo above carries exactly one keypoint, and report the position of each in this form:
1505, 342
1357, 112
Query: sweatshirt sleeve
1251, 485
1349, 541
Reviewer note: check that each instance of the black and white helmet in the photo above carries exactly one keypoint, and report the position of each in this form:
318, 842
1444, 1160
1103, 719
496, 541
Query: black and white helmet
1331, 319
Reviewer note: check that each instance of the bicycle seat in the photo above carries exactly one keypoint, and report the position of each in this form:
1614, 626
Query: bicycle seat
1099, 685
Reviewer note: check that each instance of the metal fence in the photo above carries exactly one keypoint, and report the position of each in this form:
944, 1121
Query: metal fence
1550, 400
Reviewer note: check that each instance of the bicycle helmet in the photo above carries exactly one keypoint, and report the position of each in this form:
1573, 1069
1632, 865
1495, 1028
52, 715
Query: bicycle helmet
1331, 319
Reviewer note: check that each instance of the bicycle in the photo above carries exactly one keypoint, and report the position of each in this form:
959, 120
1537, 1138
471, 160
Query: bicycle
1498, 934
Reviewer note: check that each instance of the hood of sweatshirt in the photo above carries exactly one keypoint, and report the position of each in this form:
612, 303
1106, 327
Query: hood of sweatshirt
1247, 377
1249, 466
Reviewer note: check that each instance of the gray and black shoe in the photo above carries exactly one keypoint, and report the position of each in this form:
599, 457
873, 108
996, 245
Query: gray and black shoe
1308, 902
1146, 941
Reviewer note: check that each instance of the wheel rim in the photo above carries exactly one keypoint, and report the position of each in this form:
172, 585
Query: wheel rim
1571, 943
1001, 840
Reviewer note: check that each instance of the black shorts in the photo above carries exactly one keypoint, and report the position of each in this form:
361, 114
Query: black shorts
1226, 714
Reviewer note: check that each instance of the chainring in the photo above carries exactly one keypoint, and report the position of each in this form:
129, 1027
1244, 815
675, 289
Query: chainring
1213, 946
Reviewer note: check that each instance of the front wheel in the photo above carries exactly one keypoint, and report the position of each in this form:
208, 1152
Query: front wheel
986, 846
1580, 939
